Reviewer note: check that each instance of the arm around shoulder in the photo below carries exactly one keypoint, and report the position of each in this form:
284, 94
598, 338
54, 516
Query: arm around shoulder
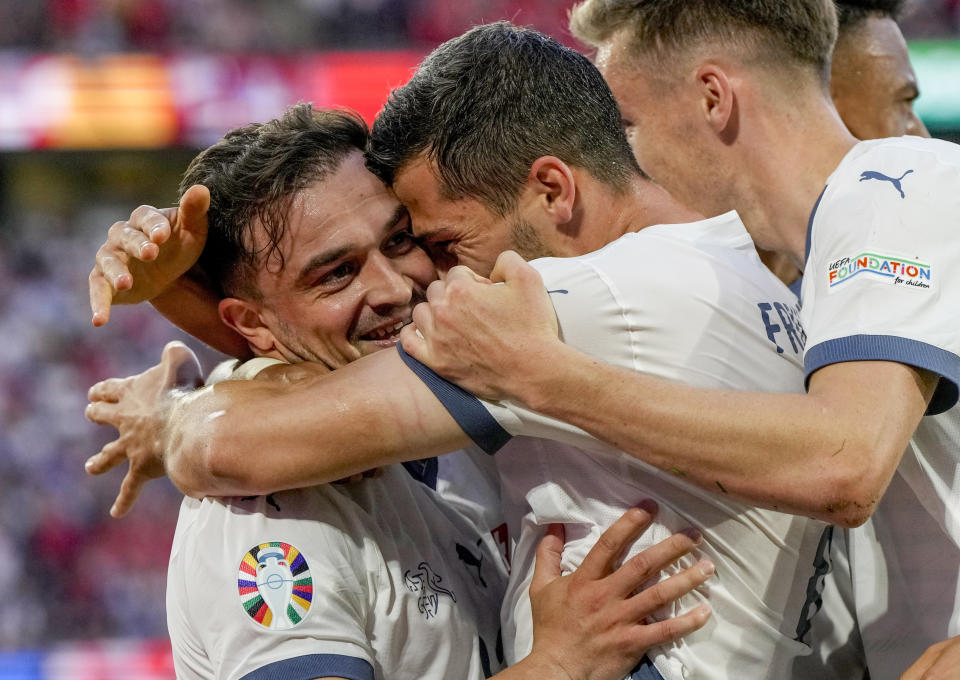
252, 437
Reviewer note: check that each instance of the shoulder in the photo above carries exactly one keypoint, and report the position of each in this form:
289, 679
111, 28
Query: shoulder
897, 169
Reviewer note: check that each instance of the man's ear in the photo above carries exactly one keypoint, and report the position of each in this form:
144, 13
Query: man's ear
245, 318
718, 101
554, 188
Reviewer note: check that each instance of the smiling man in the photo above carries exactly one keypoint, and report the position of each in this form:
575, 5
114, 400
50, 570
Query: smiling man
689, 302
400, 576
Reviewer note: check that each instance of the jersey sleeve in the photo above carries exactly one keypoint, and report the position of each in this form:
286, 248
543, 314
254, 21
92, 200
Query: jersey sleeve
589, 317
882, 279
222, 598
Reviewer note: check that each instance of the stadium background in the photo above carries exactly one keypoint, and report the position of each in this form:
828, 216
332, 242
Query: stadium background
102, 104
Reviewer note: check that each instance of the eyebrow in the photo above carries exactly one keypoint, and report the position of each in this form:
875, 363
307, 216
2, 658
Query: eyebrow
321, 260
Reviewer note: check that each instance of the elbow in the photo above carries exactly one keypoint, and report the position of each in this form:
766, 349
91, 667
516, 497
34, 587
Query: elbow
853, 488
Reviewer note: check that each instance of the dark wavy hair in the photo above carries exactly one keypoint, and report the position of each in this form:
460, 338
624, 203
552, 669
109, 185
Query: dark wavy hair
253, 175
485, 105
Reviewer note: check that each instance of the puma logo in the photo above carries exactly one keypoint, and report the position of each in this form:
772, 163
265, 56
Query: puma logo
871, 174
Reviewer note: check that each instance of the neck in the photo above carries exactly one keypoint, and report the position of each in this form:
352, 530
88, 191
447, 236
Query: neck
640, 205
780, 182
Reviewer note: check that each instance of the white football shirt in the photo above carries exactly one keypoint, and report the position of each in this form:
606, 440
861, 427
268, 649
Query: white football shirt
381, 579
690, 303
882, 282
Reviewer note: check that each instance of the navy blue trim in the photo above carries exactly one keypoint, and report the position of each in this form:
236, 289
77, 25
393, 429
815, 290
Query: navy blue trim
472, 417
645, 670
424, 471
813, 214
892, 348
310, 666
797, 287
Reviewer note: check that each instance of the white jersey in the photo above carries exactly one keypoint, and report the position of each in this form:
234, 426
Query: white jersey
691, 303
382, 579
882, 282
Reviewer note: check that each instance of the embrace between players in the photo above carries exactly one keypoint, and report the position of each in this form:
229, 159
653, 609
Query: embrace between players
650, 356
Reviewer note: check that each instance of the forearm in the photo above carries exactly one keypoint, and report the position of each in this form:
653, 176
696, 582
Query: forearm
252, 437
815, 454
192, 307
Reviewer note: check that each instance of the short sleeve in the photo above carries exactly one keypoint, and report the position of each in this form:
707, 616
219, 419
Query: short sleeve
882, 279
301, 614
590, 318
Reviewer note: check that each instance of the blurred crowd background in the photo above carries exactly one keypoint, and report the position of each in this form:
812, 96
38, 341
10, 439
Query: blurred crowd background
69, 573
85, 26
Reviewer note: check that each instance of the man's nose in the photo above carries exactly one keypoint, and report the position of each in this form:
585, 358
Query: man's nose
387, 284
916, 126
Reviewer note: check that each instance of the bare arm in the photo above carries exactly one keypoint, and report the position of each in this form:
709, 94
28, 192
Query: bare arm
828, 454
258, 436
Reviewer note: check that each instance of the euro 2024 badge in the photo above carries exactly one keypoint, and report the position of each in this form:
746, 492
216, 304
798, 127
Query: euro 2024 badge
275, 586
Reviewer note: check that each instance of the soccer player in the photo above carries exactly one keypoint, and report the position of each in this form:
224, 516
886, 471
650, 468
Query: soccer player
687, 301
742, 86
872, 84
387, 578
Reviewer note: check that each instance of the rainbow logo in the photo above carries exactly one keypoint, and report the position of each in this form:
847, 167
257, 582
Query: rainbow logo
896, 270
275, 586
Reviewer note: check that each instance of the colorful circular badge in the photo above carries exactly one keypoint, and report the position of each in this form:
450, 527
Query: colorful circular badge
275, 586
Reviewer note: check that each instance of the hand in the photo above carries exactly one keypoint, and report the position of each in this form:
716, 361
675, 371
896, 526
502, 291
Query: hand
144, 255
589, 624
135, 406
940, 662
481, 336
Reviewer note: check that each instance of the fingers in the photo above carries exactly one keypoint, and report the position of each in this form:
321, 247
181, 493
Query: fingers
645, 565
109, 390
655, 597
109, 457
153, 225
412, 340
413, 336
437, 289
193, 208
672, 629
101, 296
180, 365
510, 267
101, 413
546, 568
464, 273
615, 541
129, 491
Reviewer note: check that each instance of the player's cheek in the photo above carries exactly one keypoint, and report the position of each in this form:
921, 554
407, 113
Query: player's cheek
418, 266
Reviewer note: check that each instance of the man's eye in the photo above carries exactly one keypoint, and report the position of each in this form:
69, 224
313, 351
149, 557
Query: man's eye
399, 243
343, 271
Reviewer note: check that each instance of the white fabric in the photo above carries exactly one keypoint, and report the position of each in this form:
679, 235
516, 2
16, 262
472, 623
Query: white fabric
907, 587
394, 572
690, 303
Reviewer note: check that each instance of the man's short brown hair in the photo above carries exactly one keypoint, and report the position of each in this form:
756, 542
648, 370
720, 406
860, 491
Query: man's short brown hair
801, 32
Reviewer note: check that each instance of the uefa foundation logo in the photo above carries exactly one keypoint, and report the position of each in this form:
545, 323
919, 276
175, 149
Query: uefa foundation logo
275, 586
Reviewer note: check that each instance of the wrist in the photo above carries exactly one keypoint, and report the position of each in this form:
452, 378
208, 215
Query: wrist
545, 376
542, 667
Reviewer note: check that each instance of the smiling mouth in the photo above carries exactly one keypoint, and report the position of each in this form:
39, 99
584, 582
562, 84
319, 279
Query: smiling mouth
386, 333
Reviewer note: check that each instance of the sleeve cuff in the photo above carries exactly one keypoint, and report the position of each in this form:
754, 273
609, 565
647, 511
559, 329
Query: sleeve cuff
892, 348
312, 666
469, 412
